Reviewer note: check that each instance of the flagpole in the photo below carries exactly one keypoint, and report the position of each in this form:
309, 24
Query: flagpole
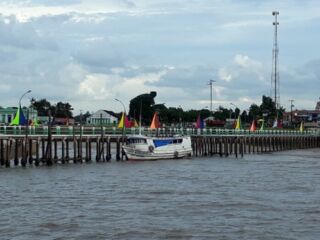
124, 124
140, 117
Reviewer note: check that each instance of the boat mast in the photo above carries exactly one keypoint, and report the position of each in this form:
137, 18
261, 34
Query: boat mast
140, 117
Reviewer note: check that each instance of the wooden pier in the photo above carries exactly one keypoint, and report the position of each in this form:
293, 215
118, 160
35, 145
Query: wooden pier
49, 150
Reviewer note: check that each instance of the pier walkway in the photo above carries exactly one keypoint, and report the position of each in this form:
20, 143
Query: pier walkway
47, 146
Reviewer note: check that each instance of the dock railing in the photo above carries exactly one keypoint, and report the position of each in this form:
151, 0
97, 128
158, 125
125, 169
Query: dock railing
96, 130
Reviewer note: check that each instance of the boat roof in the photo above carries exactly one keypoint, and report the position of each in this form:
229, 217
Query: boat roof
155, 137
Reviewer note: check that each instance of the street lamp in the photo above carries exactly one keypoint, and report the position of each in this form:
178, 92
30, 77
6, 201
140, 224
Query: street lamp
124, 114
29, 91
235, 108
210, 84
291, 106
121, 104
180, 118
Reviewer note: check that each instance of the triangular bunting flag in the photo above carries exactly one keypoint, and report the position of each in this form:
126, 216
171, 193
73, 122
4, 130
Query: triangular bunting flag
200, 123
19, 118
301, 126
262, 124
238, 124
155, 121
121, 123
253, 126
135, 124
127, 122
275, 123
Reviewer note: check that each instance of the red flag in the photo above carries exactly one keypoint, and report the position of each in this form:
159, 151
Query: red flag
127, 123
253, 126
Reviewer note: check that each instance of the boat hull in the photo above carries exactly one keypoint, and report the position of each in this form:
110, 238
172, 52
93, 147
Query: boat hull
136, 155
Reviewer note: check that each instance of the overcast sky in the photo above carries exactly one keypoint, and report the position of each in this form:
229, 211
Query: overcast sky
88, 52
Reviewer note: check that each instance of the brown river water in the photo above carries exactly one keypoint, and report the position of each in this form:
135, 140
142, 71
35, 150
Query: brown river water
266, 196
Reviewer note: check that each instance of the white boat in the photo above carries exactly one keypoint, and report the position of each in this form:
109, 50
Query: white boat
140, 147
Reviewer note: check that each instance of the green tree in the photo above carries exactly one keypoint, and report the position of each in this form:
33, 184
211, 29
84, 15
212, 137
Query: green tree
62, 110
42, 106
143, 105
58, 110
254, 112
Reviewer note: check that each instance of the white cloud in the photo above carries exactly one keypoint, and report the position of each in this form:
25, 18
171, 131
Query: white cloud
95, 86
88, 52
225, 75
245, 62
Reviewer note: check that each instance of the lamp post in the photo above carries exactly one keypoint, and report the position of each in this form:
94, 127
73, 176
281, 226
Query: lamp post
235, 108
25, 155
210, 84
80, 141
291, 106
124, 124
180, 119
29, 91
124, 107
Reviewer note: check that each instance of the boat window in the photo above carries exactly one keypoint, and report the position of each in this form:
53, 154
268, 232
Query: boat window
136, 140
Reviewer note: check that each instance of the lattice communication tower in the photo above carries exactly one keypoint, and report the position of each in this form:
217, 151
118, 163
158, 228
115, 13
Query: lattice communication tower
275, 90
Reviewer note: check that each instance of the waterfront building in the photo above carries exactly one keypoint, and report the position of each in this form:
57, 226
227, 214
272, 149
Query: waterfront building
8, 114
103, 117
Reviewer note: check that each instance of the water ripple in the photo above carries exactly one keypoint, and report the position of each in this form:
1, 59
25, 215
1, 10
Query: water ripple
269, 196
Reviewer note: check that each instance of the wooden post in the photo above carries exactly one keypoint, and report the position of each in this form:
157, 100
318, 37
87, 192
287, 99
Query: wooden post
74, 150
55, 151
87, 150
8, 148
97, 149
63, 160
30, 151
220, 147
225, 146
90, 158
43, 150
241, 146
118, 150
37, 160
79, 142
23, 160
108, 157
2, 150
236, 147
16, 148
67, 150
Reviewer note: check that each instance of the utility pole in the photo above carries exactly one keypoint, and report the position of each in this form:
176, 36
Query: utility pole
291, 106
275, 63
210, 84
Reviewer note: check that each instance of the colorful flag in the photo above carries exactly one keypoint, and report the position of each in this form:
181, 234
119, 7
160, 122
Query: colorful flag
301, 126
155, 121
122, 121
127, 123
134, 123
262, 124
35, 122
19, 119
275, 123
253, 126
238, 124
200, 123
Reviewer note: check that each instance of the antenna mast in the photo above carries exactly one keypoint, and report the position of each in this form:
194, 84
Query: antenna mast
275, 63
